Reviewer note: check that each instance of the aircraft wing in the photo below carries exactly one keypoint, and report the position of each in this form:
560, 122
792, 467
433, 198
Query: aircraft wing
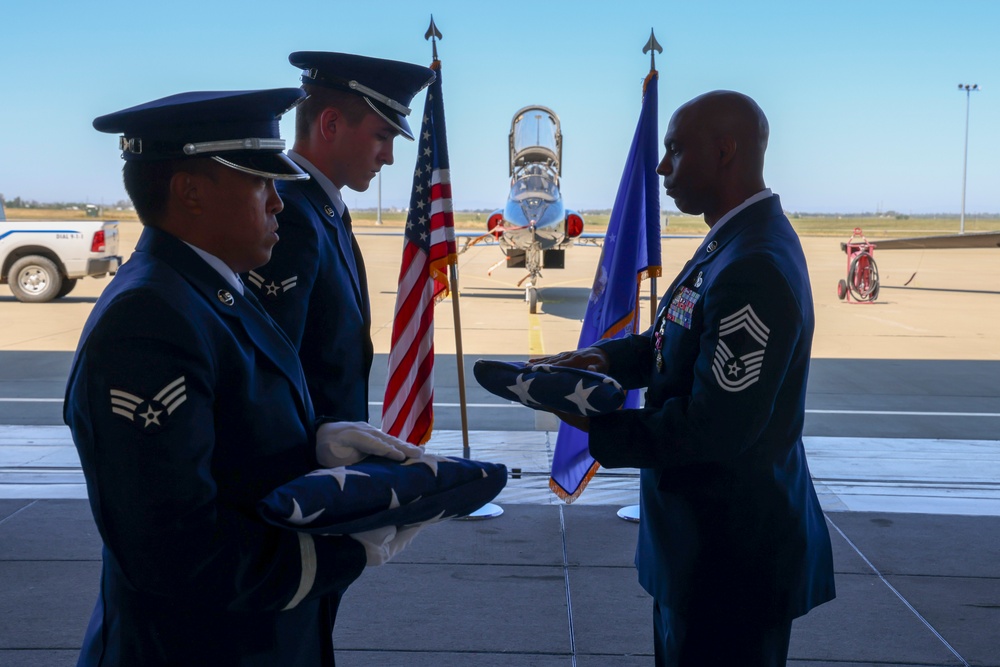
474, 237
600, 235
974, 240
587, 238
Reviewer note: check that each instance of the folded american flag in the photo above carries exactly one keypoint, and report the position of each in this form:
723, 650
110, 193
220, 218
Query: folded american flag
548, 387
378, 492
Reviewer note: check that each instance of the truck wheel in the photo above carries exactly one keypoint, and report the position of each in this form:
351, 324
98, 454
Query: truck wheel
67, 286
34, 279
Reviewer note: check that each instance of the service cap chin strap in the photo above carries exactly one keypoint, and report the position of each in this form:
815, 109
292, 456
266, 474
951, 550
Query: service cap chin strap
249, 144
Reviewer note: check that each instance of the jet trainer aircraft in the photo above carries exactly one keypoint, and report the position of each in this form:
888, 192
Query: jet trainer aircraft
535, 228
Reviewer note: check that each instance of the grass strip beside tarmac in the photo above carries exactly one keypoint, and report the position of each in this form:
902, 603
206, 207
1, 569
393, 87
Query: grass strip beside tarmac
873, 226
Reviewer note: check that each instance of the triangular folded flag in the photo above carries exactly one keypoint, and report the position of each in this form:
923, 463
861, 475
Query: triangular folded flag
378, 492
547, 387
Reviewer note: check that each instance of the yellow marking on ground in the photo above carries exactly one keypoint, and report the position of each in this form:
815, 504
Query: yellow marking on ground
536, 348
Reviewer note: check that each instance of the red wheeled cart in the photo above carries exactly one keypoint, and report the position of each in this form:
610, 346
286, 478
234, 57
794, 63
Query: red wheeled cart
862, 273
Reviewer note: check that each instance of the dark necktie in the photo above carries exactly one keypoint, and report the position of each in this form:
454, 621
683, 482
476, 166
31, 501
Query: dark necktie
359, 263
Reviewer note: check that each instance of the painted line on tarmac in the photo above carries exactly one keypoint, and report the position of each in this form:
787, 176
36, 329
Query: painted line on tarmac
536, 348
903, 413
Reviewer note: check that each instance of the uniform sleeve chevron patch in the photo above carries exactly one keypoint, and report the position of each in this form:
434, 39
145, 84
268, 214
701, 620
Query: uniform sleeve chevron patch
268, 287
739, 353
124, 403
172, 395
256, 279
149, 416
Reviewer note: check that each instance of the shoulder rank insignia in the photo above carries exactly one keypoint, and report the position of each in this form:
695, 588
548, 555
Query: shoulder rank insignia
739, 353
148, 416
272, 289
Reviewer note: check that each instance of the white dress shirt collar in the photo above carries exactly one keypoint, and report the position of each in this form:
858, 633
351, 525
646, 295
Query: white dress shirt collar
219, 266
760, 196
331, 190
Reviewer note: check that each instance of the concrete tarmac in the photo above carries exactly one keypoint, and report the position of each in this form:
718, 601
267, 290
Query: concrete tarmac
933, 304
926, 350
902, 434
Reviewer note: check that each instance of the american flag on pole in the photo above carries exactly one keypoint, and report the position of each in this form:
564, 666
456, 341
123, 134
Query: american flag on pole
631, 253
428, 250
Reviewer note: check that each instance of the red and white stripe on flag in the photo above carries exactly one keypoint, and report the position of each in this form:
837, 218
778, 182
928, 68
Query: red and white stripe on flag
429, 248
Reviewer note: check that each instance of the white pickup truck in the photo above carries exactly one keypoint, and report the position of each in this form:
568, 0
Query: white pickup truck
42, 261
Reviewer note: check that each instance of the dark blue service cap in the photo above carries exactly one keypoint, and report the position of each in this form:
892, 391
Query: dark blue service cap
548, 387
236, 128
388, 85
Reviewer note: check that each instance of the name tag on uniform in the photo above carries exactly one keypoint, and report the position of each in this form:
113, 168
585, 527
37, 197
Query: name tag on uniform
681, 306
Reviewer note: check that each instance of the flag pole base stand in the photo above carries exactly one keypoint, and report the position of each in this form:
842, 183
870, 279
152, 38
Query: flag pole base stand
629, 513
487, 511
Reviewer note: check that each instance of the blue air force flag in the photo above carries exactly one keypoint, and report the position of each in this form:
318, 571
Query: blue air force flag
631, 252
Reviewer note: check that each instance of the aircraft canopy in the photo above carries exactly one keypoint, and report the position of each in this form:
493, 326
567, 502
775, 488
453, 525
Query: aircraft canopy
535, 137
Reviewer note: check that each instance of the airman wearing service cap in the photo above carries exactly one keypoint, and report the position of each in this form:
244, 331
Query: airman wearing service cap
238, 129
386, 86
315, 284
187, 405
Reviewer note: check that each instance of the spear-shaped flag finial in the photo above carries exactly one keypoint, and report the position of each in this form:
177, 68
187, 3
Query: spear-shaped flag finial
651, 46
434, 34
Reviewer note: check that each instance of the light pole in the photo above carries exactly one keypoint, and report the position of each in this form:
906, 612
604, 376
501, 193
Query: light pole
968, 88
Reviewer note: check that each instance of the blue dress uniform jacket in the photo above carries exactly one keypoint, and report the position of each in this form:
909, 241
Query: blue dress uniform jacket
187, 405
730, 520
315, 287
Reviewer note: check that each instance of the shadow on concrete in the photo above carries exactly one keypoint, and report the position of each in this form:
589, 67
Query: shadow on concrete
564, 302
551, 586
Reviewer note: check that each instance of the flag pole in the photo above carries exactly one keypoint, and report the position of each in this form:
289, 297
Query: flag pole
631, 512
631, 255
434, 34
489, 510
459, 359
653, 47
652, 301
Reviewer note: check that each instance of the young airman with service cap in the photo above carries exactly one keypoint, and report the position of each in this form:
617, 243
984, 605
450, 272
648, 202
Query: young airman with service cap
315, 284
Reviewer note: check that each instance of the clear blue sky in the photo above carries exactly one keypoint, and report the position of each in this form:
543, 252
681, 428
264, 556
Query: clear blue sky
861, 94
